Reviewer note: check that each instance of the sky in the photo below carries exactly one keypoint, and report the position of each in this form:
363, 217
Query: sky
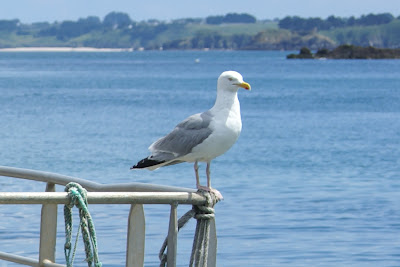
28, 11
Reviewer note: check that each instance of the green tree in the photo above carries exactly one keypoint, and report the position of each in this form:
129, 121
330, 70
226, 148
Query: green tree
67, 29
215, 20
70, 29
334, 22
239, 18
9, 25
231, 18
117, 20
89, 24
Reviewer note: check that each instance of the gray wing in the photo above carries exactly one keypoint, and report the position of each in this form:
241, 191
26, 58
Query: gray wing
186, 135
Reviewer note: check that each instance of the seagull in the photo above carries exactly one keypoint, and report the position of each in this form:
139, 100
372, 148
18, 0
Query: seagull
202, 136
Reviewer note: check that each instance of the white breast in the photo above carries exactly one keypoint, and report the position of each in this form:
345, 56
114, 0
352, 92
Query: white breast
226, 127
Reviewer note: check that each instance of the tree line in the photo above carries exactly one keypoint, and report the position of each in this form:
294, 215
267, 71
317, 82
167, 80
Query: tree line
115, 20
231, 18
68, 29
299, 24
118, 30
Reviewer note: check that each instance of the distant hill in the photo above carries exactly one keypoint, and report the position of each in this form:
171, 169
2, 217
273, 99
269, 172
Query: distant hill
230, 31
382, 36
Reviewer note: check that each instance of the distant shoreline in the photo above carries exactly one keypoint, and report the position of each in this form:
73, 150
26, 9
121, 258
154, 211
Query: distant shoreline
64, 49
348, 52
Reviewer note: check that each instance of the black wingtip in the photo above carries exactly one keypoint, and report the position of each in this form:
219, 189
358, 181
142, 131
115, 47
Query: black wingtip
145, 163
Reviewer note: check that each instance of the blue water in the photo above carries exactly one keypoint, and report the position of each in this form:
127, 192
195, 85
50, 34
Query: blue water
314, 179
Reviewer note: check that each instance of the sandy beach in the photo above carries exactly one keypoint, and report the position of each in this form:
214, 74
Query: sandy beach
64, 49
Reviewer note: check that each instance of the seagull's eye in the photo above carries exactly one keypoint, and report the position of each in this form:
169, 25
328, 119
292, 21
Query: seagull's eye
230, 79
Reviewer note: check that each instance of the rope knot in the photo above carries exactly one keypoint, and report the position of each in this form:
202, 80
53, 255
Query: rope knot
67, 245
204, 212
77, 195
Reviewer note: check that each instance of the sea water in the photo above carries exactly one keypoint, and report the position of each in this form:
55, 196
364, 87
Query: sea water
314, 179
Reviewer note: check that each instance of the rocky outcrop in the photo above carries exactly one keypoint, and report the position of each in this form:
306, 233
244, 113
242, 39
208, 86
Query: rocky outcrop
348, 52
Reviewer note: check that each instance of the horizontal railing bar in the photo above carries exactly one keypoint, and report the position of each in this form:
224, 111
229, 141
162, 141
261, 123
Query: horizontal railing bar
103, 198
18, 259
47, 263
89, 185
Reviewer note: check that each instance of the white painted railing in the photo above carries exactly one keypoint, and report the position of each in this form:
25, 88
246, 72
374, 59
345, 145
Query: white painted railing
134, 194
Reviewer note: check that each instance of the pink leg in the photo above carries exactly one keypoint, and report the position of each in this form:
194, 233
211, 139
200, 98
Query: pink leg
196, 172
208, 174
215, 191
198, 185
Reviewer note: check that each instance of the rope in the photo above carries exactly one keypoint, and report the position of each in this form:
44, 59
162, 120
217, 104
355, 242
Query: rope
203, 214
201, 239
78, 198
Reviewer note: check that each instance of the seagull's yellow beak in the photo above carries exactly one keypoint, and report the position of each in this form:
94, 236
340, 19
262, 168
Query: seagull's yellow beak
245, 85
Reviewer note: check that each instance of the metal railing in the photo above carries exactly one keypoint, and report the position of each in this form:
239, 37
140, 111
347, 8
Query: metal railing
134, 194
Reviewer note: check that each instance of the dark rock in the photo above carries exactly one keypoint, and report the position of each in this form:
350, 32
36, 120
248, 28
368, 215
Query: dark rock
305, 53
349, 52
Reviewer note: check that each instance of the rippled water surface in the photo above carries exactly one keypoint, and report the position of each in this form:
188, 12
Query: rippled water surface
314, 179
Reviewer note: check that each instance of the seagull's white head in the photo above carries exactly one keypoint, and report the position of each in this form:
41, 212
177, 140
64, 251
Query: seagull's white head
232, 81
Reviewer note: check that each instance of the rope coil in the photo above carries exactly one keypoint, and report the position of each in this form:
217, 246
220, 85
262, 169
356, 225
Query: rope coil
203, 215
78, 198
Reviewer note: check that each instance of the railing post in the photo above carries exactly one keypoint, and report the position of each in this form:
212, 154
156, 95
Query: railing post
132, 194
48, 229
136, 237
172, 236
212, 245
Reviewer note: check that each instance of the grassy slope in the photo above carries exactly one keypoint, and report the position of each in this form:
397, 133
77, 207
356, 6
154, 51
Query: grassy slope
14, 40
266, 36
191, 30
387, 35
231, 29
120, 38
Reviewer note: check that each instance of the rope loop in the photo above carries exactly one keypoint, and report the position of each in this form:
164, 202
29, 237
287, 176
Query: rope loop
202, 214
77, 194
78, 197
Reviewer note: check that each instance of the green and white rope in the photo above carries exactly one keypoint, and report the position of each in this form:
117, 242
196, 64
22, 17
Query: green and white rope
78, 198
